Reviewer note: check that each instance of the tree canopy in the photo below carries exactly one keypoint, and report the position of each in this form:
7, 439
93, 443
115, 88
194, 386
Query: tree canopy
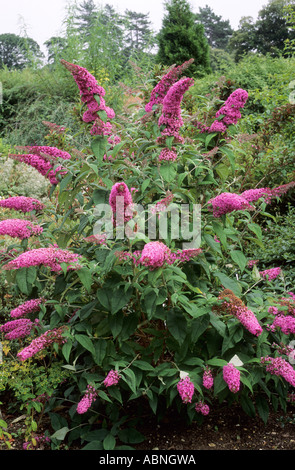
182, 38
17, 52
217, 30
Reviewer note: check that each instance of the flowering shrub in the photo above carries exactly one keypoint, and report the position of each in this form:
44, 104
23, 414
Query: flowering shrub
147, 301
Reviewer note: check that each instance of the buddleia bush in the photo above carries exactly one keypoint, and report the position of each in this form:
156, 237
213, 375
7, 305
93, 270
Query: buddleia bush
141, 284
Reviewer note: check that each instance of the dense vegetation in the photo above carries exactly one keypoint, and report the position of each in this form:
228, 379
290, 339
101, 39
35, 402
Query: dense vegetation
104, 316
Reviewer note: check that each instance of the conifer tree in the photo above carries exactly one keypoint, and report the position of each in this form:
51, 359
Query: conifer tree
181, 38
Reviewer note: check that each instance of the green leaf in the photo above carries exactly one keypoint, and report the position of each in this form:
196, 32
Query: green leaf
216, 362
94, 445
86, 342
262, 408
143, 365
25, 278
177, 325
239, 258
66, 350
168, 172
130, 436
248, 406
109, 442
255, 228
85, 277
129, 377
103, 115
98, 146
150, 301
116, 323
60, 434
229, 283
114, 299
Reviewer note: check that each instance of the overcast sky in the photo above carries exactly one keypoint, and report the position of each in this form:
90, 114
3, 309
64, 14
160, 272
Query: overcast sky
43, 19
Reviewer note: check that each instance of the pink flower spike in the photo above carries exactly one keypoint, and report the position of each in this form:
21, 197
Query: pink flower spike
51, 257
186, 389
231, 376
87, 400
22, 204
112, 378
19, 228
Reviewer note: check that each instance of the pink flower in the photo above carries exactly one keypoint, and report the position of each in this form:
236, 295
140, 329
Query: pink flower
171, 113
120, 201
226, 203
44, 167
231, 376
162, 204
202, 408
89, 91
279, 366
43, 150
19, 228
17, 329
22, 204
159, 92
230, 111
235, 306
285, 322
270, 274
252, 195
42, 342
30, 306
51, 257
208, 380
112, 378
186, 389
154, 254
101, 128
87, 400
168, 154
217, 126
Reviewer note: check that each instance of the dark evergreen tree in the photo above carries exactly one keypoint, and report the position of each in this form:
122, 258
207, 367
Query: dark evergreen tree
217, 30
86, 16
181, 38
138, 33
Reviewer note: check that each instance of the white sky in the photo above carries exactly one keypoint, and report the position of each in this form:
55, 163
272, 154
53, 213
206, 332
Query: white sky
43, 18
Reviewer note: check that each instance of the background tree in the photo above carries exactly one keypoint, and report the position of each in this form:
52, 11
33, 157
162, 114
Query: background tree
85, 16
272, 29
217, 30
18, 52
243, 39
55, 47
181, 39
139, 36
268, 35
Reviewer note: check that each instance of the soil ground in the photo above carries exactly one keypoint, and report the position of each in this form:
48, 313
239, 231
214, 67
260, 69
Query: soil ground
224, 429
